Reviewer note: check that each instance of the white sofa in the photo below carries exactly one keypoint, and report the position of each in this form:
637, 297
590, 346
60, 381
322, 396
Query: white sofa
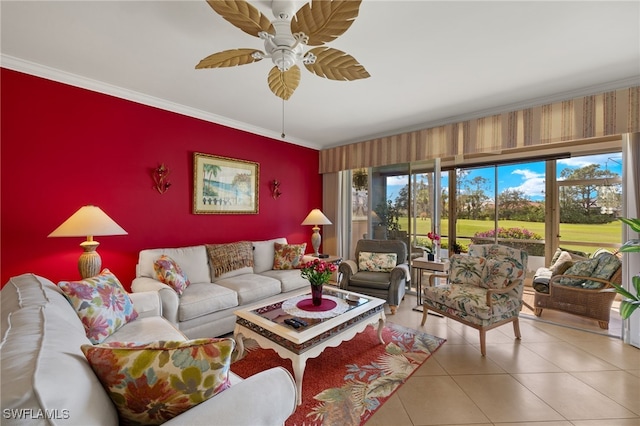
46, 379
205, 308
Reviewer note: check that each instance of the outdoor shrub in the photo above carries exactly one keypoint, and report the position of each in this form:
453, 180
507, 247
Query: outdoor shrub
506, 236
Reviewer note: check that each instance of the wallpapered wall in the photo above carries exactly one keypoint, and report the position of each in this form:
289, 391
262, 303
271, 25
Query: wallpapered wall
64, 147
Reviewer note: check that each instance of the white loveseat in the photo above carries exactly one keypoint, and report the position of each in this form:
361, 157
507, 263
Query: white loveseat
205, 308
46, 379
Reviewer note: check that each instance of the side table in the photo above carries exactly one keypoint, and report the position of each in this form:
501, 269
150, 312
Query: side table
422, 264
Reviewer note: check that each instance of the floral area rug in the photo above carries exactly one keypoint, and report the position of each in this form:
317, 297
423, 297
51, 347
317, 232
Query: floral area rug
347, 384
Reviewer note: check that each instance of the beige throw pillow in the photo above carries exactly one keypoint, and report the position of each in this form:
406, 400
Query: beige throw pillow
565, 256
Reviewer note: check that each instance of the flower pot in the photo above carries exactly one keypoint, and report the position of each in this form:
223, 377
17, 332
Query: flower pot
316, 294
430, 256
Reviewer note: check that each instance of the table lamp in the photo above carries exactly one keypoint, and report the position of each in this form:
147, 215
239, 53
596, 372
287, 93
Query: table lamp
315, 218
88, 221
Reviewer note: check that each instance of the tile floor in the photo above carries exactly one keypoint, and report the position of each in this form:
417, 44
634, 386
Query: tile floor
554, 376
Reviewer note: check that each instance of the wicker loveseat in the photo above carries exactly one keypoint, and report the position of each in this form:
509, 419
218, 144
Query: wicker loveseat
578, 289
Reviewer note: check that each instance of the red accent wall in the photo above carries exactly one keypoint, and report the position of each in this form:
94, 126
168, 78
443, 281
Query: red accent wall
64, 147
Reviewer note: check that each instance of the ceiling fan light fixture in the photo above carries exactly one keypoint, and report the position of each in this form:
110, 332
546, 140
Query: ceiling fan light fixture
284, 59
285, 40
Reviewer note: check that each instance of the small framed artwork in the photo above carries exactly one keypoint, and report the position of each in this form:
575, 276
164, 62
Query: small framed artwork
224, 185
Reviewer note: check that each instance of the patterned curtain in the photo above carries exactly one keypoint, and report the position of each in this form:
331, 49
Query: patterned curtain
606, 114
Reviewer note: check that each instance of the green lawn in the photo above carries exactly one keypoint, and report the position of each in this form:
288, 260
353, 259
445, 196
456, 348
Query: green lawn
609, 233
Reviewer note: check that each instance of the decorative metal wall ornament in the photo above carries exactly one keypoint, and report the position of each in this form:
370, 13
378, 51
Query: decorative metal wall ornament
159, 175
275, 189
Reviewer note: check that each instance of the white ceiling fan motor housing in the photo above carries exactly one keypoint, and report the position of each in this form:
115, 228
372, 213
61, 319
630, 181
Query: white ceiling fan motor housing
283, 48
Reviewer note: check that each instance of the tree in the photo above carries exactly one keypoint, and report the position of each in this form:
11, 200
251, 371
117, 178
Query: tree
579, 202
402, 200
474, 197
512, 204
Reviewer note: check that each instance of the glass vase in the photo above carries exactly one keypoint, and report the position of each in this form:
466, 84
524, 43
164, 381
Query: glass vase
316, 294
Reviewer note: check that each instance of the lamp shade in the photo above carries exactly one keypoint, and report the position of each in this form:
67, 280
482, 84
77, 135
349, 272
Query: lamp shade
88, 221
316, 217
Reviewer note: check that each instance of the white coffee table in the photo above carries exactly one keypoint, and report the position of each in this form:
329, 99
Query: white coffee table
265, 324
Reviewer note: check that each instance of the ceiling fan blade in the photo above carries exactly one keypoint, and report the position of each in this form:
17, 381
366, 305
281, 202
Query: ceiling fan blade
228, 58
324, 21
243, 15
336, 65
284, 83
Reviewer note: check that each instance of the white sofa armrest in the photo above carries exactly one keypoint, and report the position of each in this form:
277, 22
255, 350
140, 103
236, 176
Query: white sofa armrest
267, 398
147, 303
168, 296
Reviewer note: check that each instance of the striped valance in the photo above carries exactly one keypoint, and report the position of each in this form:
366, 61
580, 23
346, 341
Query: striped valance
604, 114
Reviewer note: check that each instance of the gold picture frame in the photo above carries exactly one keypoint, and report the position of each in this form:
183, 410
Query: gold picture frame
224, 185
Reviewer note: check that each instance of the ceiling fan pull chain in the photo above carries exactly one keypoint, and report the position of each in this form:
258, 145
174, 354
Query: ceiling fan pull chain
282, 135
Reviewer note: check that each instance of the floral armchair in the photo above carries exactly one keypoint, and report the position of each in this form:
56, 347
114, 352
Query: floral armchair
484, 289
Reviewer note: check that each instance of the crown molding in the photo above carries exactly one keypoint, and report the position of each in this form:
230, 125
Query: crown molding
49, 73
530, 103
38, 70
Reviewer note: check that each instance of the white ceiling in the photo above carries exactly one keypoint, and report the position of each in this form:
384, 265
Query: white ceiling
430, 62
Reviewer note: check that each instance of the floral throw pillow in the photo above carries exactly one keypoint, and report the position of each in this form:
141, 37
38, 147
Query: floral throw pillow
102, 304
150, 384
170, 273
377, 262
288, 256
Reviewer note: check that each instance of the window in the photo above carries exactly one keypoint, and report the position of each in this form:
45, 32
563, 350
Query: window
590, 201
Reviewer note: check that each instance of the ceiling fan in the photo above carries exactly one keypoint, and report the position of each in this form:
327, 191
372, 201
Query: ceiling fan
285, 39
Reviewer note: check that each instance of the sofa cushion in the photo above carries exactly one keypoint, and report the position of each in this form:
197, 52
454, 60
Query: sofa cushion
288, 256
289, 279
469, 301
264, 253
607, 265
224, 258
204, 298
467, 269
150, 384
251, 287
42, 365
169, 272
583, 268
498, 274
368, 279
145, 330
377, 262
102, 304
192, 261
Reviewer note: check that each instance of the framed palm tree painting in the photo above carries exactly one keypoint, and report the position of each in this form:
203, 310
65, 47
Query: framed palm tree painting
224, 185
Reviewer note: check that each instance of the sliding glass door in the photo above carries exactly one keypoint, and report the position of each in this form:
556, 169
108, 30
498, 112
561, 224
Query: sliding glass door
589, 202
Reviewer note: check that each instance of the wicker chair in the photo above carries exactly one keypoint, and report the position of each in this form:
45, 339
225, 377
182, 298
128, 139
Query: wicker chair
589, 303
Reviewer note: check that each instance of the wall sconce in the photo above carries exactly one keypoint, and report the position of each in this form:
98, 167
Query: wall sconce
160, 175
275, 189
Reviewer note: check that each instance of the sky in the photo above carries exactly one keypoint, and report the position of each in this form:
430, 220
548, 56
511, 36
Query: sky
525, 177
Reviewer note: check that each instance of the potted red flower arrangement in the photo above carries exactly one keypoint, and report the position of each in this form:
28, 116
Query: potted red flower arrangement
318, 273
435, 246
